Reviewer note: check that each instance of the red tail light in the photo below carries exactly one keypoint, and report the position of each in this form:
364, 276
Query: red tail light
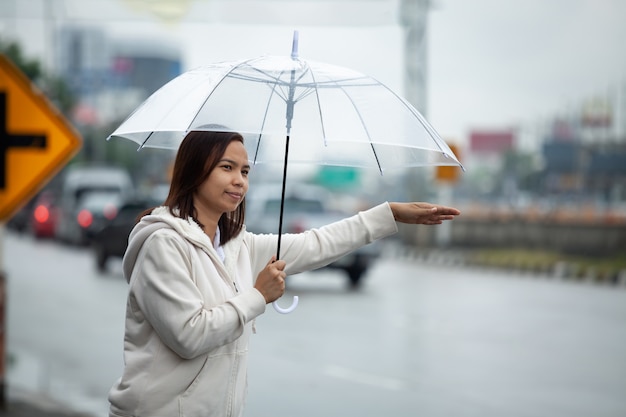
84, 218
110, 211
297, 226
41, 214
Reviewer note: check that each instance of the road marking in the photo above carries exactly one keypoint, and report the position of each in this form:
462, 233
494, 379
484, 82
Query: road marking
378, 381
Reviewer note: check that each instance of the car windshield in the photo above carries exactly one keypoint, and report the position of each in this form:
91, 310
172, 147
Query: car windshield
97, 200
83, 193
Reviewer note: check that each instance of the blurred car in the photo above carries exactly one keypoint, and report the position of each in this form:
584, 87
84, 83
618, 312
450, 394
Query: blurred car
44, 215
306, 207
75, 208
111, 240
94, 210
89, 214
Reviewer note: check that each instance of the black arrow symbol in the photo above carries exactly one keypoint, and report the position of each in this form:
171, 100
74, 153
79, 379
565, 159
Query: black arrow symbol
8, 140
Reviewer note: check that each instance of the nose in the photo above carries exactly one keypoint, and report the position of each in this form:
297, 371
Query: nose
239, 179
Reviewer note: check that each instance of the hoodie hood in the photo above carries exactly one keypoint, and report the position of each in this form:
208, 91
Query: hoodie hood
162, 218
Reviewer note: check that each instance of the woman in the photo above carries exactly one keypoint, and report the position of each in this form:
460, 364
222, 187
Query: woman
198, 279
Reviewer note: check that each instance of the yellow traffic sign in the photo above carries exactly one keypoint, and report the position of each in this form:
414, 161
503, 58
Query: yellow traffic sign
35, 139
449, 174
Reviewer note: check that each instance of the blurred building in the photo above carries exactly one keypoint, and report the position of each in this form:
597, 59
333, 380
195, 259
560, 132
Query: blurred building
144, 65
582, 157
83, 59
596, 171
584, 154
111, 77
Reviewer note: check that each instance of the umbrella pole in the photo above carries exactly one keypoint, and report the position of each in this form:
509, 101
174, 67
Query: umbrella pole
282, 198
289, 116
294, 303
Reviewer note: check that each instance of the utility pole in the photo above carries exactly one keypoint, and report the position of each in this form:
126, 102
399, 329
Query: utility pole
414, 21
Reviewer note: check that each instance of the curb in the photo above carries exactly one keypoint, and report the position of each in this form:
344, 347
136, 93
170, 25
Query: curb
559, 270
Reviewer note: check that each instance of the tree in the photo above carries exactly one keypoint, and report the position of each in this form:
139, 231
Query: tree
54, 87
30, 67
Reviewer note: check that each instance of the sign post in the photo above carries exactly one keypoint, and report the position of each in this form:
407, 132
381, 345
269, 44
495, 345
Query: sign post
35, 143
446, 176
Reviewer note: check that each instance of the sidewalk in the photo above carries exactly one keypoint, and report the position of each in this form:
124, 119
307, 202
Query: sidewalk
26, 404
27, 391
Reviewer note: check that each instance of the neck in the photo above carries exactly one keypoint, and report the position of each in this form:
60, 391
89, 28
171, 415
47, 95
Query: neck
210, 230
210, 225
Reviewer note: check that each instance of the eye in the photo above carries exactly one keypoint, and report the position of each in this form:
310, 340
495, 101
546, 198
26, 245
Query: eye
245, 172
227, 167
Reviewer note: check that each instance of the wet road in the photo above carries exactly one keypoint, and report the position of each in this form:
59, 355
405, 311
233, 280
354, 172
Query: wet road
418, 339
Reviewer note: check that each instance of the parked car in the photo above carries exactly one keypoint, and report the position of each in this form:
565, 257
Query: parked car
111, 240
94, 210
306, 207
22, 220
44, 215
80, 182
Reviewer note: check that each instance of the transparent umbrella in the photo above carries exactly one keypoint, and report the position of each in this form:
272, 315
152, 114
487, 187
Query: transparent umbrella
317, 113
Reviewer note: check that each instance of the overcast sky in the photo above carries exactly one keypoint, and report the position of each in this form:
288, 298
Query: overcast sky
505, 63
492, 64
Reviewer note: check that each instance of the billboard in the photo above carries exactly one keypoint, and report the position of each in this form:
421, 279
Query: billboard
495, 142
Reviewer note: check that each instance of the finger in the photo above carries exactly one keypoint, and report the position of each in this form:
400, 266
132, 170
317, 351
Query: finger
449, 210
449, 217
272, 260
280, 265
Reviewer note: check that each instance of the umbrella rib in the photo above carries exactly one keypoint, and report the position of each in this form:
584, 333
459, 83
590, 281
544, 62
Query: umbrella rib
346, 81
319, 109
268, 78
433, 133
356, 110
319, 84
276, 80
267, 107
227, 74
419, 117
144, 142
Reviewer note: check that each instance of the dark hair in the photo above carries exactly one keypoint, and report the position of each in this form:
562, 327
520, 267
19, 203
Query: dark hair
198, 154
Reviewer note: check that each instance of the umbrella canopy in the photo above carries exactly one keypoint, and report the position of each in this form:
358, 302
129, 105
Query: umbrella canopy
335, 115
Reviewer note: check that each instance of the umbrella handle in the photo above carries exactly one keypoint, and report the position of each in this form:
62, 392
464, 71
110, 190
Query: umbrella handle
287, 310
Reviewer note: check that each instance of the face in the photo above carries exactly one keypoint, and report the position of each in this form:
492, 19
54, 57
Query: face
226, 185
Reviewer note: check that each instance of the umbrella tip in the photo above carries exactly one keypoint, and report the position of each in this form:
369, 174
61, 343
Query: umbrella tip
294, 45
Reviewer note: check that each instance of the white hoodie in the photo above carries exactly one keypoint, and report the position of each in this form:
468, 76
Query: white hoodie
189, 315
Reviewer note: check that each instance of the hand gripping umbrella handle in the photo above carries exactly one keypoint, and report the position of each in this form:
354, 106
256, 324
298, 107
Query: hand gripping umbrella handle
287, 310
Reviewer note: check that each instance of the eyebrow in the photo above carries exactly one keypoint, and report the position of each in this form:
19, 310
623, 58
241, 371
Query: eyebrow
233, 162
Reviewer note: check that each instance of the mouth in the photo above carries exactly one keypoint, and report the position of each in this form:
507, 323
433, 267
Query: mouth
236, 196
